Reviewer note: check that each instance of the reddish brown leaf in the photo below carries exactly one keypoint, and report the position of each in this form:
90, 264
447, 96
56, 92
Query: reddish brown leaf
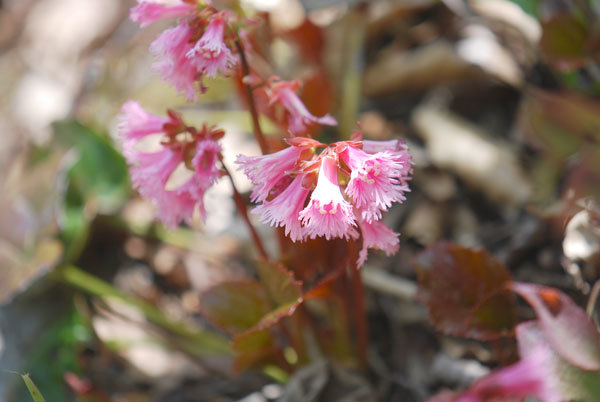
312, 259
235, 306
310, 40
566, 326
465, 291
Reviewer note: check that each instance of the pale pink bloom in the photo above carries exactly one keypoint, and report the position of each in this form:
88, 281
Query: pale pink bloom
150, 173
376, 180
205, 162
299, 116
266, 171
210, 54
399, 151
135, 123
376, 235
328, 213
149, 11
171, 48
373, 147
284, 209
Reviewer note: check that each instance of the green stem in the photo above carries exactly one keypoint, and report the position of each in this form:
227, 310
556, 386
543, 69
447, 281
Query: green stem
196, 341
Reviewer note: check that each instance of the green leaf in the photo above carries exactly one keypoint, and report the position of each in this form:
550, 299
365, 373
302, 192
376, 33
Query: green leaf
235, 306
465, 291
564, 38
97, 181
31, 387
252, 348
529, 6
33, 390
99, 173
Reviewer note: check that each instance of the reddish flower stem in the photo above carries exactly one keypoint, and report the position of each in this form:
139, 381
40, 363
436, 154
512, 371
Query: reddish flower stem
258, 134
358, 297
241, 206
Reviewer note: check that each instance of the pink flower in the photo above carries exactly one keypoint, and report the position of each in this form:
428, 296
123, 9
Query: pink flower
373, 147
171, 48
205, 162
299, 116
284, 209
210, 54
376, 235
150, 171
266, 171
135, 123
149, 11
283, 180
527, 378
376, 180
328, 213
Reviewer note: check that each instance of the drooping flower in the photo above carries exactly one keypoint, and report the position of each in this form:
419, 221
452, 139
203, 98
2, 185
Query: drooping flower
376, 235
149, 175
205, 161
284, 93
328, 214
266, 171
210, 54
135, 123
181, 145
376, 180
149, 11
284, 209
206, 172
171, 49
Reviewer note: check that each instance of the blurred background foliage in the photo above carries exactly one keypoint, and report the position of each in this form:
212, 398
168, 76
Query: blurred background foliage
499, 101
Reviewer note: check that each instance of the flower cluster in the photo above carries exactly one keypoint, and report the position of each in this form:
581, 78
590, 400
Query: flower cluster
350, 184
310, 189
180, 144
198, 46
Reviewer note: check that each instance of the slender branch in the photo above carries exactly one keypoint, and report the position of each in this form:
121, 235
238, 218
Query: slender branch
258, 134
591, 305
358, 296
241, 206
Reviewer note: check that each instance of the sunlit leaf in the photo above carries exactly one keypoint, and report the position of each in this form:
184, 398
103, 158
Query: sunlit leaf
465, 291
235, 306
566, 326
19, 268
279, 283
565, 40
